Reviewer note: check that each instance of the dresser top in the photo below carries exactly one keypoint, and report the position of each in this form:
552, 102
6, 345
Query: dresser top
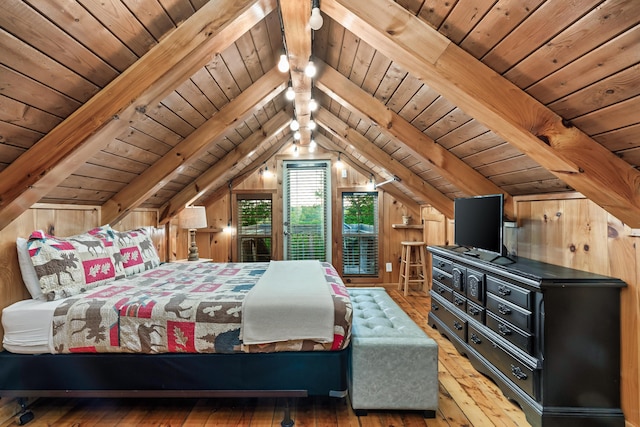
523, 268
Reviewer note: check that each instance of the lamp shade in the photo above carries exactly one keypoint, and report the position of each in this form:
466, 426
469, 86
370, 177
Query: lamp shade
193, 217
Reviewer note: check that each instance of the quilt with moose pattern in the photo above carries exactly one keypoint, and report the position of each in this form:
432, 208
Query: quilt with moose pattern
192, 307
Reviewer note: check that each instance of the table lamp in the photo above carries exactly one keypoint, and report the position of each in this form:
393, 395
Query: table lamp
191, 218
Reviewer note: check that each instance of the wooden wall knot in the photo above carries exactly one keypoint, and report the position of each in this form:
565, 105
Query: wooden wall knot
544, 138
572, 247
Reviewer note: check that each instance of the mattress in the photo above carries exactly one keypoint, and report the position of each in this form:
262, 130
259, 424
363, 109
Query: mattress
177, 307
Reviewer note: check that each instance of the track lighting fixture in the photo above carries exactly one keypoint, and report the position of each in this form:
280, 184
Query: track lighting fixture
316, 20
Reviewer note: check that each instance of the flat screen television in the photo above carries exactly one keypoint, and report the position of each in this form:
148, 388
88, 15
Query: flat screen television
478, 223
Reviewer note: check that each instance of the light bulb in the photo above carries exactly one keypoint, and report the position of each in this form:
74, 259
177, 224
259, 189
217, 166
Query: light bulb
283, 64
311, 125
339, 164
297, 135
290, 94
312, 146
294, 126
295, 151
313, 105
310, 69
316, 20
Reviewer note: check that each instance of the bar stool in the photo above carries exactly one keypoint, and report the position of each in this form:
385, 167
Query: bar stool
413, 265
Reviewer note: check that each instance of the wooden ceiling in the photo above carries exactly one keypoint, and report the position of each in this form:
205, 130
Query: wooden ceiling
159, 103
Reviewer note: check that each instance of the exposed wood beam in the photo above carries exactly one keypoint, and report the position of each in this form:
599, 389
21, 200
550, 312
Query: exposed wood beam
206, 180
191, 148
401, 197
350, 136
90, 128
425, 149
510, 112
295, 18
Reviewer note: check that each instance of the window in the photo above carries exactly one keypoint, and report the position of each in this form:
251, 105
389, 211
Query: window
254, 227
360, 233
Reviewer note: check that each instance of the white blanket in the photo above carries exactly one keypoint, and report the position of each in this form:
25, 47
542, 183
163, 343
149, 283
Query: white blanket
291, 301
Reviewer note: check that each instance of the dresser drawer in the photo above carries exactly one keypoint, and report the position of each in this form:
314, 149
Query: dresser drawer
510, 292
454, 322
442, 290
458, 275
459, 301
520, 373
520, 339
475, 311
475, 285
443, 277
509, 312
442, 263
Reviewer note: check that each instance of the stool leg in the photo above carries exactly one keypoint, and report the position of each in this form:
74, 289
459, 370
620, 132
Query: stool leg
424, 285
407, 271
401, 269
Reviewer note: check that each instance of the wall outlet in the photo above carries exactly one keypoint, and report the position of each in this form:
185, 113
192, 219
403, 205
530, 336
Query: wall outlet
389, 267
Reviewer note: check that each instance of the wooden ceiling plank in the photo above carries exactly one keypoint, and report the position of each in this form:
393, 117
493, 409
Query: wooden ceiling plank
97, 122
203, 183
555, 144
339, 129
188, 150
421, 146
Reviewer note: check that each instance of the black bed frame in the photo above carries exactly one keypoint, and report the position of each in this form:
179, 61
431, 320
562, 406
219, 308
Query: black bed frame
282, 374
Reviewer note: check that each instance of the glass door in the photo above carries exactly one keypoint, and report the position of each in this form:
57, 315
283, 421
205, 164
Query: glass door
307, 210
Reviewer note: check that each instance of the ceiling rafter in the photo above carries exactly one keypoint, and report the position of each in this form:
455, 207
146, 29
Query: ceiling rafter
92, 126
490, 98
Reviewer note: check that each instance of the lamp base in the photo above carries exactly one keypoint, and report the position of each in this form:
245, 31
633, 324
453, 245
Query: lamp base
193, 249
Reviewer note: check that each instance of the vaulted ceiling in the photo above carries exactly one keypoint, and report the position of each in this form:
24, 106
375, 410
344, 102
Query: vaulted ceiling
159, 103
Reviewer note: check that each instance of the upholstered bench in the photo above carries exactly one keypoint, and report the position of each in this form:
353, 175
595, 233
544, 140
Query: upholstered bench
394, 364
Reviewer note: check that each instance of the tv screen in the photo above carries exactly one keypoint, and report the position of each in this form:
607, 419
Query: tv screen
478, 222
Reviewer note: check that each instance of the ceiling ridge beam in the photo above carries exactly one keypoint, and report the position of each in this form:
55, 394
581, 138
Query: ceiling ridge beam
92, 126
336, 127
192, 147
425, 149
205, 181
503, 107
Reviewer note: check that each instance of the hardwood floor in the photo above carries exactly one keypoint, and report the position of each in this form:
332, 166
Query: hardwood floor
467, 398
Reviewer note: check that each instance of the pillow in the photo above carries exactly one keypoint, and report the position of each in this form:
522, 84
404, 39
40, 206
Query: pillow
29, 276
137, 251
71, 265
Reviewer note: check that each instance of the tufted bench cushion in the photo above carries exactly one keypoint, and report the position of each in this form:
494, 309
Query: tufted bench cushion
394, 364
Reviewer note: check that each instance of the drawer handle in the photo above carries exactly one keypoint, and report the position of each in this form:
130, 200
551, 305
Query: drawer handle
457, 325
504, 330
504, 291
440, 276
434, 307
474, 311
517, 372
474, 338
458, 301
441, 289
503, 309
442, 264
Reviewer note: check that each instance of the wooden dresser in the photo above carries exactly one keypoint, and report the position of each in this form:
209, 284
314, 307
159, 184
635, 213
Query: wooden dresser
549, 336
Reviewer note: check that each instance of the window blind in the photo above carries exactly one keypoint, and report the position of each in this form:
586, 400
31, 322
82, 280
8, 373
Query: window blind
360, 235
306, 202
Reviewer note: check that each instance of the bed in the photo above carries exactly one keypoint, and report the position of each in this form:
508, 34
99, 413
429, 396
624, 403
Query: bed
175, 329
